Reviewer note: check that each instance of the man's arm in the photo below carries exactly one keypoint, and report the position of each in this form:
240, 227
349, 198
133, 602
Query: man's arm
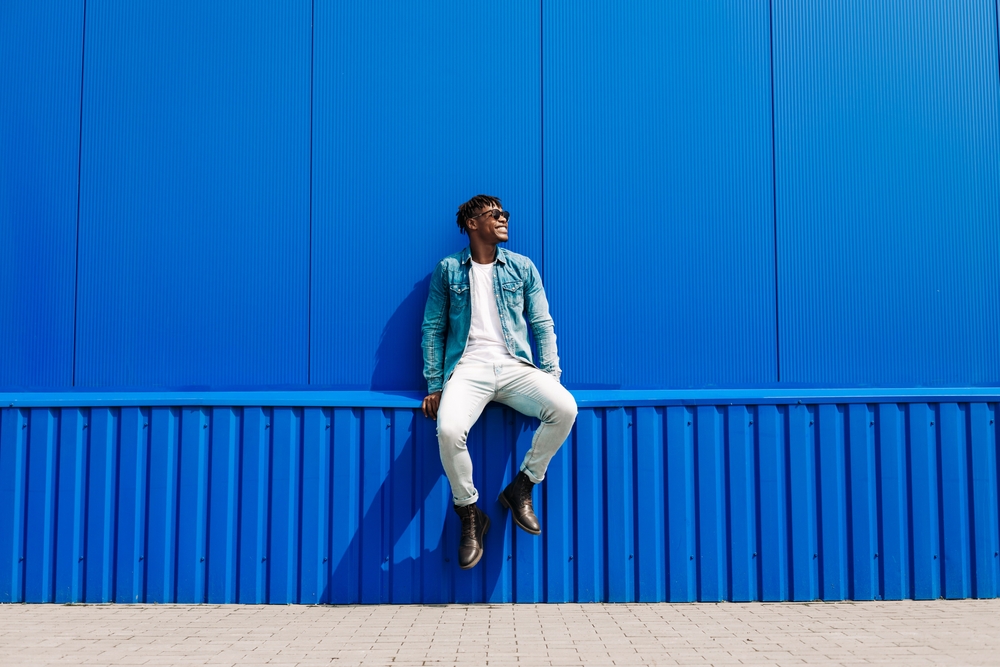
433, 333
537, 307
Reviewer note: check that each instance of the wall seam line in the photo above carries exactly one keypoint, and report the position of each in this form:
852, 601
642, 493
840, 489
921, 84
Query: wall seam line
774, 199
79, 171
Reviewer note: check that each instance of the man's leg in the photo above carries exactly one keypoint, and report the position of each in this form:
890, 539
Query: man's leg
465, 395
536, 394
464, 398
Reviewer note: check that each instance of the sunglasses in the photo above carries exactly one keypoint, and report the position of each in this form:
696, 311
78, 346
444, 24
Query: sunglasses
496, 213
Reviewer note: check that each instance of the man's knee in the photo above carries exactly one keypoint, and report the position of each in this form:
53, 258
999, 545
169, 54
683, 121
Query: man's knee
451, 436
563, 410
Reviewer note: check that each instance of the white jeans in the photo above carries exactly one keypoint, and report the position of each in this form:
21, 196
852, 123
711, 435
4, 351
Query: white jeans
516, 384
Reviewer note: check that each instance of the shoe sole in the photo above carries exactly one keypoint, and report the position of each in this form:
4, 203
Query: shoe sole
481, 551
513, 515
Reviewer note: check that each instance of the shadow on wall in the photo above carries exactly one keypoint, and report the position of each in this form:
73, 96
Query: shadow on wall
404, 548
399, 364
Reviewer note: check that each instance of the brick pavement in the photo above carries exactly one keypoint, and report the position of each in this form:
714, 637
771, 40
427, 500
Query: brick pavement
940, 632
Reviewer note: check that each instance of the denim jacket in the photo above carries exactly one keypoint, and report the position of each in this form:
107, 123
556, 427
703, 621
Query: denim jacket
448, 315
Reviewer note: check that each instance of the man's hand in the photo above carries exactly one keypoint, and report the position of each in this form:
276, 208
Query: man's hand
431, 404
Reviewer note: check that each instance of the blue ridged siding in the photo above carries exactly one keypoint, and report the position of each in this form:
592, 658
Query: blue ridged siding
825, 499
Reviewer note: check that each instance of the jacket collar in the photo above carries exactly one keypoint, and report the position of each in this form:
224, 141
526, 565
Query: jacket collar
467, 255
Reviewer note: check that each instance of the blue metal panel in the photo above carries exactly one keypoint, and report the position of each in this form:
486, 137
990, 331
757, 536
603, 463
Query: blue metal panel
862, 509
409, 121
924, 501
765, 502
72, 461
194, 202
102, 483
894, 537
41, 65
887, 158
681, 529
742, 500
223, 504
711, 514
831, 480
658, 192
803, 565
652, 504
13, 481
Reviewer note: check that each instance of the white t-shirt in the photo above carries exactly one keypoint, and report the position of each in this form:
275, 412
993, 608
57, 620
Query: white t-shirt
485, 333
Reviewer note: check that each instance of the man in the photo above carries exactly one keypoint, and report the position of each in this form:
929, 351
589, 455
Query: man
476, 350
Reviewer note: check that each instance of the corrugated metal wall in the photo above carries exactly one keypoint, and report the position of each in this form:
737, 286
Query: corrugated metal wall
659, 218
416, 109
760, 501
887, 158
720, 193
194, 194
40, 65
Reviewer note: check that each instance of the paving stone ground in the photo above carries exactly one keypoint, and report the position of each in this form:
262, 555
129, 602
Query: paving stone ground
940, 632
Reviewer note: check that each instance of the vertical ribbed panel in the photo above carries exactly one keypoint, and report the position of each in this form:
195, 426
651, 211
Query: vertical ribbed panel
659, 245
194, 209
888, 191
349, 505
415, 110
40, 67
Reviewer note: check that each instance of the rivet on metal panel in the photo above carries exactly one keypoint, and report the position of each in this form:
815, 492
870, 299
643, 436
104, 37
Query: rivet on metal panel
204, 425
141, 557
810, 422
85, 426
263, 559
21, 559
935, 556
328, 426
814, 555
871, 423
751, 423
79, 559
689, 423
991, 421
386, 559
932, 423
24, 426
145, 424
876, 555
691, 558
630, 556
324, 559
202, 560
267, 426
754, 554
571, 558
388, 425
508, 556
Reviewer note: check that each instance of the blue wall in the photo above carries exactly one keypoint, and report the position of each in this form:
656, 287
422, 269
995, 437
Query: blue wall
331, 497
724, 193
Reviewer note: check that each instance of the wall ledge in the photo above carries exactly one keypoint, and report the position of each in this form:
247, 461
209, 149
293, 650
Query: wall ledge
586, 398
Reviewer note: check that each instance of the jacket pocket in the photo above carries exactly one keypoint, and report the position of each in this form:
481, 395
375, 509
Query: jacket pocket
459, 293
513, 292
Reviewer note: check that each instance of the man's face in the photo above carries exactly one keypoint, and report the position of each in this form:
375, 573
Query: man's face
488, 228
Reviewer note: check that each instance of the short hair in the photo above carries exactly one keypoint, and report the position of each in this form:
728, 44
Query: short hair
469, 208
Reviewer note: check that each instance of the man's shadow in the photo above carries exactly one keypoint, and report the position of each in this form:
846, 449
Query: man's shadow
406, 546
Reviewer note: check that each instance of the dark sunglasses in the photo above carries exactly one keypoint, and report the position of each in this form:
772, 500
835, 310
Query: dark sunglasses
495, 212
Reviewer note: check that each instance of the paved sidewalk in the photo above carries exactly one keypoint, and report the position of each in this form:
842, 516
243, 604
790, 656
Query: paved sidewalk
940, 632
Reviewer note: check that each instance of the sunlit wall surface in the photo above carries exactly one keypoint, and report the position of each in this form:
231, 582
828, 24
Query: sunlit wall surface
718, 194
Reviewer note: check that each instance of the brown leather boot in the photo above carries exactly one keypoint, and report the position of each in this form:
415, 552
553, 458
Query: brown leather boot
475, 523
517, 498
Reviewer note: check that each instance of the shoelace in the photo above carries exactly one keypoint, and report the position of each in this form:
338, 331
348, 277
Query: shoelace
469, 525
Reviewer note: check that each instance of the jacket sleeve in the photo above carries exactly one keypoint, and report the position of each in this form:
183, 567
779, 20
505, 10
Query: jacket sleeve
537, 308
434, 330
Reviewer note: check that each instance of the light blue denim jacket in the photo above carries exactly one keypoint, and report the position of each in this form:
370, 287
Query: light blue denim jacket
448, 315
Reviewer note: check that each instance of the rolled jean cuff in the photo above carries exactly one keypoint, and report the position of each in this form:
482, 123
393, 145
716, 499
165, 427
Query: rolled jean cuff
531, 476
466, 501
